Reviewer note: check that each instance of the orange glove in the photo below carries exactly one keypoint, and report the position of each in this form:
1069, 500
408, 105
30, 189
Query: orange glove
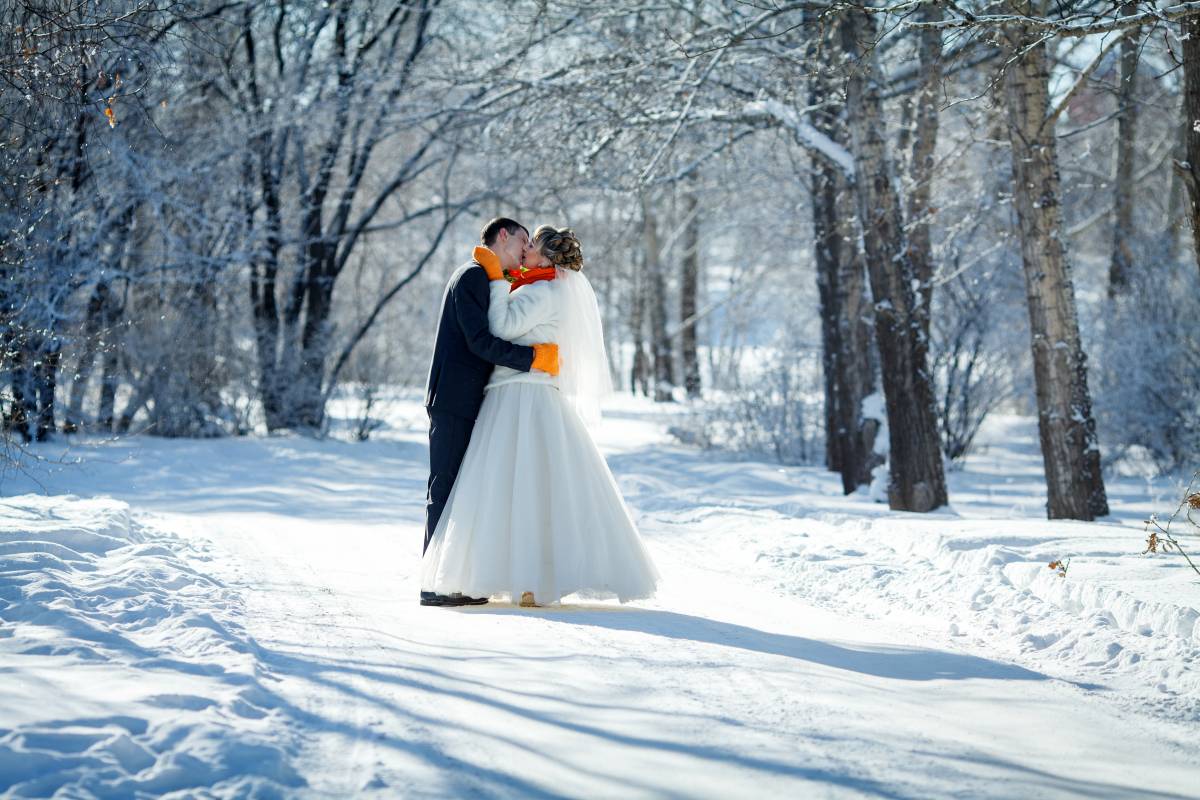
490, 263
545, 358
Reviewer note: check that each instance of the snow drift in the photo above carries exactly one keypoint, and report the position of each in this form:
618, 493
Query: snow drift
126, 669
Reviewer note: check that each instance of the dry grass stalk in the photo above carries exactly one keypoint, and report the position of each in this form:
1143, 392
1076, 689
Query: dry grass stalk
1060, 567
1161, 537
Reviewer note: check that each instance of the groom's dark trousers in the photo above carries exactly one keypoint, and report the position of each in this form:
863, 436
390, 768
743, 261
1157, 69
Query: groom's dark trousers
463, 355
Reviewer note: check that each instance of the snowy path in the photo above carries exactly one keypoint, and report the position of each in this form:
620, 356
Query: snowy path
698, 698
724, 686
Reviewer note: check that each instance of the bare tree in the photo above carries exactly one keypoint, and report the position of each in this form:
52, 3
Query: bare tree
375, 79
846, 340
921, 164
689, 286
656, 298
1189, 168
62, 77
1123, 185
1070, 450
917, 481
640, 369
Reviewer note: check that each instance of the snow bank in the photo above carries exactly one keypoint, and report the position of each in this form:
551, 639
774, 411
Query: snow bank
1116, 619
126, 668
974, 578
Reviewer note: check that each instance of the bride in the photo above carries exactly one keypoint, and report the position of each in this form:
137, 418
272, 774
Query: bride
535, 513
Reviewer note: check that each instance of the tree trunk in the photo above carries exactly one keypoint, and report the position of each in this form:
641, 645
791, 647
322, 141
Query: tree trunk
845, 331
689, 285
45, 381
293, 332
1189, 169
264, 306
92, 327
109, 379
917, 482
35, 359
664, 361
1067, 429
826, 251
1172, 227
1123, 188
22, 389
857, 363
920, 210
307, 395
660, 344
139, 400
639, 371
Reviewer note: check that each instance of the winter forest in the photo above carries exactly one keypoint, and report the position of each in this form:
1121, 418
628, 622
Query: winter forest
853, 260
218, 218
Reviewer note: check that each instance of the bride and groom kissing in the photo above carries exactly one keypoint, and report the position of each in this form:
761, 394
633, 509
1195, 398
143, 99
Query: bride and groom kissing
520, 503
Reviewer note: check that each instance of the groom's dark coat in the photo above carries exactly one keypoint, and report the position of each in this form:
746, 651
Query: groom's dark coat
463, 356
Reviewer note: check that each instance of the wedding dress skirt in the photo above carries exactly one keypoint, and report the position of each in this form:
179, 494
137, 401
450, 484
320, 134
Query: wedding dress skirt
535, 509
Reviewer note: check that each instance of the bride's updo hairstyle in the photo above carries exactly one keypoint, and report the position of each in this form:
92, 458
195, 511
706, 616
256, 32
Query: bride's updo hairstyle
560, 246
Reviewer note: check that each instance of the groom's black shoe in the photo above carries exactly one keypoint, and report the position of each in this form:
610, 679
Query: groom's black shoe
453, 599
463, 600
431, 599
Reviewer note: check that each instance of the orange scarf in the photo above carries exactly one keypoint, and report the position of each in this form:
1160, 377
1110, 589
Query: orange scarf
522, 276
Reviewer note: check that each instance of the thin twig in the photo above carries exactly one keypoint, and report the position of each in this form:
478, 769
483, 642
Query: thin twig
1153, 540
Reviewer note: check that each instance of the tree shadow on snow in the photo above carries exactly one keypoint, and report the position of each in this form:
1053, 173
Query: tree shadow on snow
882, 661
483, 778
1025, 781
390, 682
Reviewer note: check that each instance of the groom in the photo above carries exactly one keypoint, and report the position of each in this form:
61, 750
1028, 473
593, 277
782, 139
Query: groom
463, 356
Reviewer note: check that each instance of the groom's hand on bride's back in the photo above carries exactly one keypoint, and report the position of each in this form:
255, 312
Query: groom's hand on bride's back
545, 358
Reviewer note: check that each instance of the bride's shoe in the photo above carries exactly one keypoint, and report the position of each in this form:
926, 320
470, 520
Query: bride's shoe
527, 600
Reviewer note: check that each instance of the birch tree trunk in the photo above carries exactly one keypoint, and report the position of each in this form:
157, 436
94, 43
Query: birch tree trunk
826, 251
1172, 227
1123, 188
846, 342
859, 364
1189, 169
917, 481
1066, 427
920, 210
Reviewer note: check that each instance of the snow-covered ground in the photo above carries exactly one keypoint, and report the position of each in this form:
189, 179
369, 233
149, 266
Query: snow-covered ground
240, 616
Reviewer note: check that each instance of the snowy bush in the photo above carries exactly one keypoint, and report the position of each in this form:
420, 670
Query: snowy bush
179, 358
971, 371
776, 413
1148, 370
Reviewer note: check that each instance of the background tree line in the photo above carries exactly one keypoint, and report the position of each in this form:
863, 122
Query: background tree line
840, 232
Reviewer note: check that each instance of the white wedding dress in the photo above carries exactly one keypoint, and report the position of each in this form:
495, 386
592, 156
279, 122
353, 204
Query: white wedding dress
535, 507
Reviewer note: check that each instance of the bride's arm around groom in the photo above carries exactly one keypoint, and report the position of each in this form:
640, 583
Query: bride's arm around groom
512, 315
